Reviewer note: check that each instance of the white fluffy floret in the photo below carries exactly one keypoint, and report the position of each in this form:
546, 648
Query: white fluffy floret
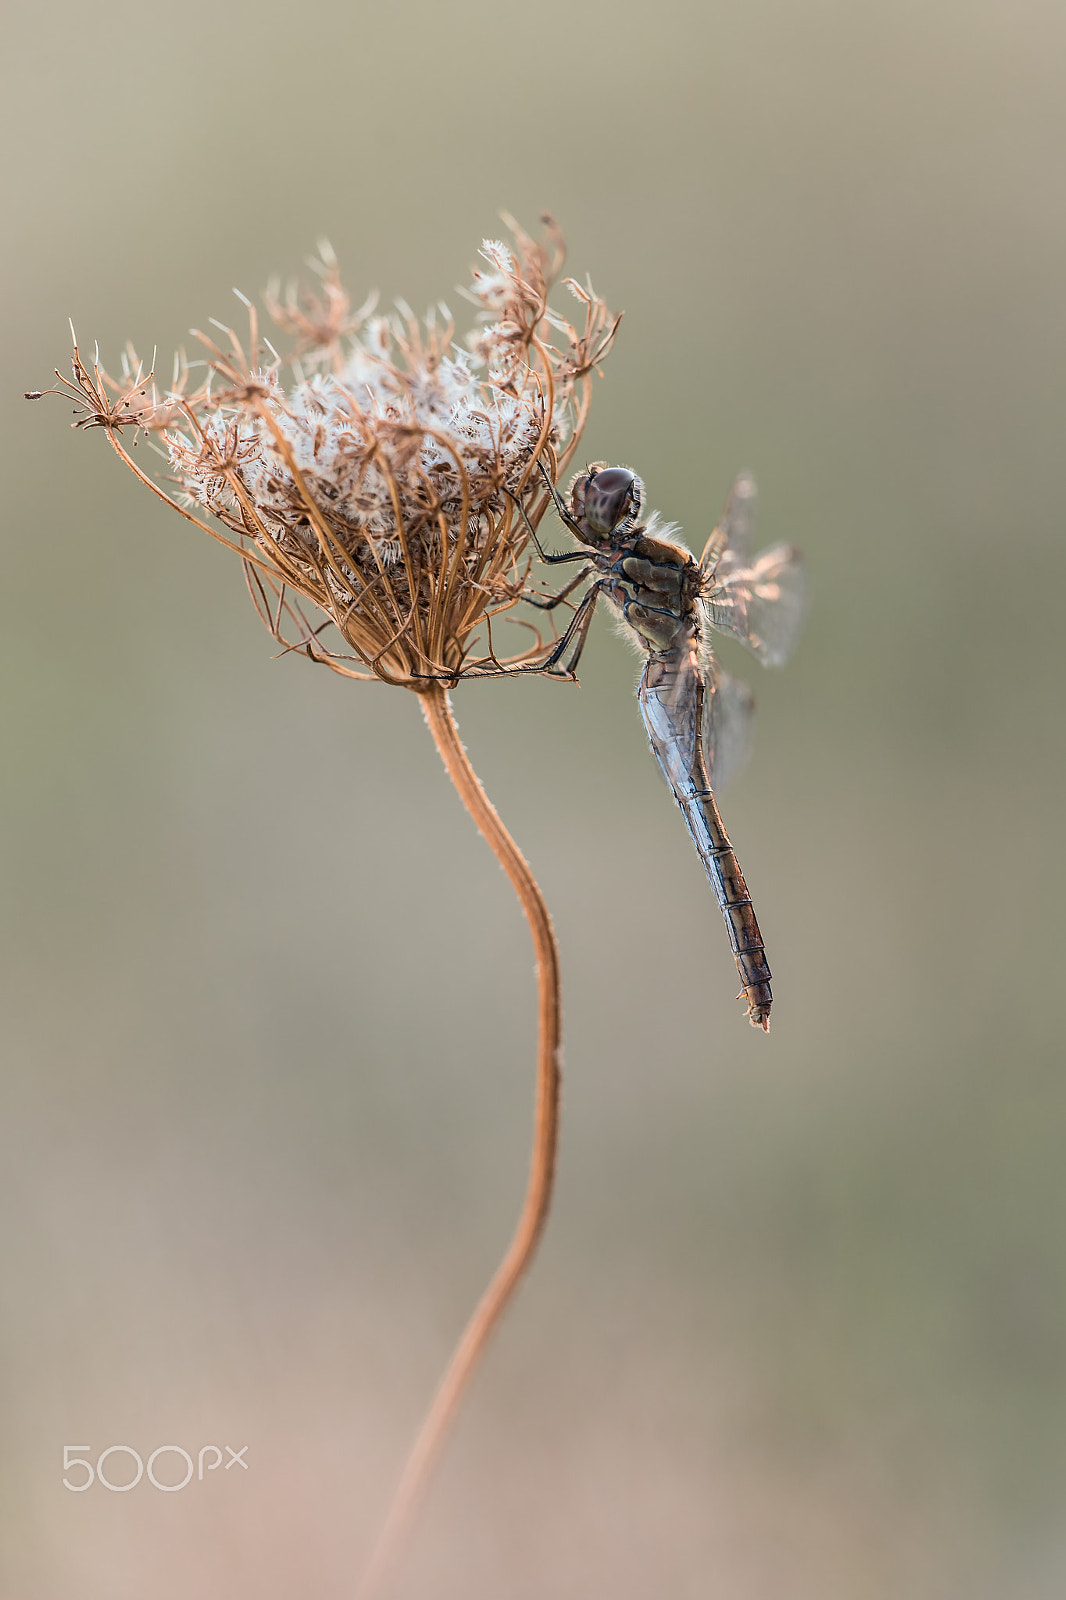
379, 428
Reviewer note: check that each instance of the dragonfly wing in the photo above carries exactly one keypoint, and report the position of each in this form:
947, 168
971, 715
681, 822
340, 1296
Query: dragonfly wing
728, 706
737, 526
761, 602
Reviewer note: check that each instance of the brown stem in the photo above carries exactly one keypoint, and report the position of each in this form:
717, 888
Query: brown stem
438, 713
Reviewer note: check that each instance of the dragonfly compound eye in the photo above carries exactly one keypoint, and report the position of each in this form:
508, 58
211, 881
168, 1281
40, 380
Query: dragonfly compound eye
611, 496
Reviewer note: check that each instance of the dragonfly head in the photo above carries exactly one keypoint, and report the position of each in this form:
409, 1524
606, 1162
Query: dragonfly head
606, 502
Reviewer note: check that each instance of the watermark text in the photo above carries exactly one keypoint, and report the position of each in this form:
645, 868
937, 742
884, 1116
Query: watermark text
120, 1468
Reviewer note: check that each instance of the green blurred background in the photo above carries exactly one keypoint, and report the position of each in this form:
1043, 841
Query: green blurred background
798, 1327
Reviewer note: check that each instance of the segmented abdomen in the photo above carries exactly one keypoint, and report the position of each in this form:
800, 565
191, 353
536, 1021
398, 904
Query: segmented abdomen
704, 820
671, 704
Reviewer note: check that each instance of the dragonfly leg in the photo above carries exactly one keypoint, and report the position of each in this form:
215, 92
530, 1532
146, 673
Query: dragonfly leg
551, 558
565, 515
576, 635
552, 601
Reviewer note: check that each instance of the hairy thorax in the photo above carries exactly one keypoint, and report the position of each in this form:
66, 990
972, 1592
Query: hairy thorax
655, 587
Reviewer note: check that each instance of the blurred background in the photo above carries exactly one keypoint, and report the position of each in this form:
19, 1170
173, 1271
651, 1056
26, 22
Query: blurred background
798, 1325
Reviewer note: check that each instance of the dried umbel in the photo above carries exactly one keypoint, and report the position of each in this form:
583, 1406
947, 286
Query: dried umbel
379, 471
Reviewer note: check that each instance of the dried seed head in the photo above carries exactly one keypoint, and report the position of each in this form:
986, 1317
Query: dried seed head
380, 472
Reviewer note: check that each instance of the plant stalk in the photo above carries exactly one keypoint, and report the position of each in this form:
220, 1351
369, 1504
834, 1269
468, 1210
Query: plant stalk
436, 706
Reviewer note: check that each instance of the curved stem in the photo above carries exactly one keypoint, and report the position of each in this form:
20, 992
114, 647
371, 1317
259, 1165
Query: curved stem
438, 713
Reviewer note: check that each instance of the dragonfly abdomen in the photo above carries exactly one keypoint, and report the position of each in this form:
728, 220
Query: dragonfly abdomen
700, 811
671, 698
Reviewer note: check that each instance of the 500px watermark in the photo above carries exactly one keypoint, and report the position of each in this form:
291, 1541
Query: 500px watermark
76, 1456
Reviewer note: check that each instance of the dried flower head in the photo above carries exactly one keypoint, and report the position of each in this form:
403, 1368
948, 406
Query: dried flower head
379, 471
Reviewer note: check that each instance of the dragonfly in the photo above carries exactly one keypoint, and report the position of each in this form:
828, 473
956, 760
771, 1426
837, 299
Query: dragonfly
697, 717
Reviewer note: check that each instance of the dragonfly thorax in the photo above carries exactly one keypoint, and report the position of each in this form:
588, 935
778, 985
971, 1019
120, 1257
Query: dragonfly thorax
606, 503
